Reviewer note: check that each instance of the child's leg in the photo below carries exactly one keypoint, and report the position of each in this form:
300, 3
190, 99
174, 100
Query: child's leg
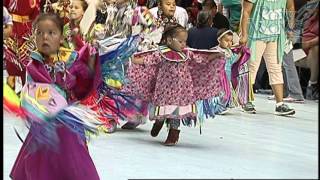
174, 123
156, 127
173, 135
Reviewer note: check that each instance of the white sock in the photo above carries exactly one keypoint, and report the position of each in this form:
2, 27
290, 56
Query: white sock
312, 82
279, 104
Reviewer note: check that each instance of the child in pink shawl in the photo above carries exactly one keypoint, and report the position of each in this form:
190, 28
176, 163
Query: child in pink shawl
172, 79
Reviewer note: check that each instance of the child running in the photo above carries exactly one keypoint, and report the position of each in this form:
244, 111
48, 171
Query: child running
172, 79
55, 147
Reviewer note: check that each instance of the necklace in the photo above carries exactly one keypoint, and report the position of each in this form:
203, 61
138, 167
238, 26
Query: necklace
163, 20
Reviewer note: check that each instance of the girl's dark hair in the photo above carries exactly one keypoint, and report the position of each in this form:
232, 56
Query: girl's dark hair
203, 18
171, 30
84, 4
212, 3
49, 16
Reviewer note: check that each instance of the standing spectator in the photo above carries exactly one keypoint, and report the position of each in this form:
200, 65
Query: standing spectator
292, 91
203, 36
234, 9
310, 44
219, 20
264, 41
292, 88
193, 11
20, 43
292, 85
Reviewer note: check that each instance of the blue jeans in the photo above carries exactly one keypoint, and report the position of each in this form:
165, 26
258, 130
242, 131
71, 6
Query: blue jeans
292, 85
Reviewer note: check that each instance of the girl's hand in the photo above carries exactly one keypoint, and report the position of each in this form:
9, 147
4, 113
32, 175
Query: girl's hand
243, 39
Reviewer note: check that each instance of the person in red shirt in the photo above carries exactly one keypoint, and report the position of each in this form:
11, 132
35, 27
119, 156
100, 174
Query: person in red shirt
20, 43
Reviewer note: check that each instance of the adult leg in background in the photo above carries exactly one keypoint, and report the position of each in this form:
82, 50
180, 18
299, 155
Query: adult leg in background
292, 87
313, 63
274, 68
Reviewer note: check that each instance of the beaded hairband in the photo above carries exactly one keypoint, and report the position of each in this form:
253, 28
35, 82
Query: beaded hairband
224, 33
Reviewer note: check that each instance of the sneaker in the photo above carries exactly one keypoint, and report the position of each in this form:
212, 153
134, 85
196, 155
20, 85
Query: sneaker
312, 92
293, 100
249, 108
284, 110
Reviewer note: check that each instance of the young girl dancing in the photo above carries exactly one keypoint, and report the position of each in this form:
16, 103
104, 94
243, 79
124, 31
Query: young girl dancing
121, 34
71, 31
172, 79
235, 79
55, 147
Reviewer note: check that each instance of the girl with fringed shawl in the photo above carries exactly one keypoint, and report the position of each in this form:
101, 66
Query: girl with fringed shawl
235, 79
57, 78
127, 26
71, 31
77, 37
172, 79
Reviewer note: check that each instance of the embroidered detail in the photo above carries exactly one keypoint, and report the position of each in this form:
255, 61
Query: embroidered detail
181, 57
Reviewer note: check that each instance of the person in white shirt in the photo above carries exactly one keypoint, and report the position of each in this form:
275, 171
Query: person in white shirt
169, 9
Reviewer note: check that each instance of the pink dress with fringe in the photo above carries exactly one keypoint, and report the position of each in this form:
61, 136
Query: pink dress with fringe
172, 82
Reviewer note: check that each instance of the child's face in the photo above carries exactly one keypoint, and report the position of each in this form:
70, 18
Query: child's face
179, 42
168, 7
76, 10
226, 41
48, 37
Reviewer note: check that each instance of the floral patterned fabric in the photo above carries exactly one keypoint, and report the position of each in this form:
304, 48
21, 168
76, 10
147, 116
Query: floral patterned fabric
162, 81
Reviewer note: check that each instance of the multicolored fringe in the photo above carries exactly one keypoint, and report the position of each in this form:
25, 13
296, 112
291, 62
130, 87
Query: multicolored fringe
123, 52
43, 124
11, 101
240, 80
77, 118
242, 90
113, 104
114, 62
